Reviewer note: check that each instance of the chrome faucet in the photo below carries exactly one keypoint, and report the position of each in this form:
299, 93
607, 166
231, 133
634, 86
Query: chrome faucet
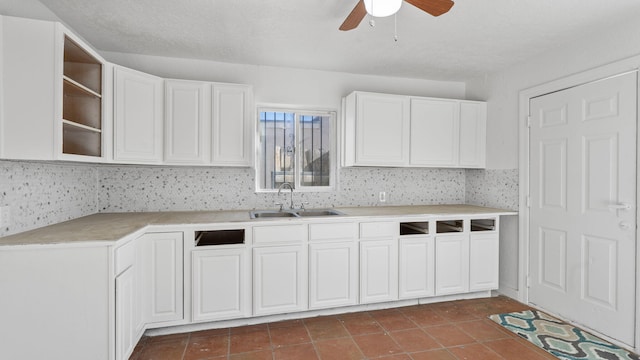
290, 188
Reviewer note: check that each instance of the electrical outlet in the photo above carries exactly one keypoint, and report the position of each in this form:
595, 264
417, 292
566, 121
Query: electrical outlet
5, 216
382, 196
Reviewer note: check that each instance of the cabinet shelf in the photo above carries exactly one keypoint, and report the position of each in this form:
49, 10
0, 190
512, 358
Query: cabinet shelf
75, 88
81, 140
81, 101
80, 126
83, 68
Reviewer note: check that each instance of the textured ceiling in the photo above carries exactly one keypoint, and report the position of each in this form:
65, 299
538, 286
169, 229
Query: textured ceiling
475, 38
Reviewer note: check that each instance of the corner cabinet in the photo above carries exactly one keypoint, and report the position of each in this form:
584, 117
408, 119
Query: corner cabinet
52, 93
137, 116
394, 130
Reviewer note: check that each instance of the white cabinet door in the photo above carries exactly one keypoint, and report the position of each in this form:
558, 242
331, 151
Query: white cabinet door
473, 118
125, 313
434, 132
378, 271
484, 265
231, 129
137, 116
333, 274
162, 275
416, 267
452, 264
380, 129
186, 122
279, 279
221, 284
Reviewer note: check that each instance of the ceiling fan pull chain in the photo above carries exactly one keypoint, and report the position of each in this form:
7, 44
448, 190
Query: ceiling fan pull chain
395, 27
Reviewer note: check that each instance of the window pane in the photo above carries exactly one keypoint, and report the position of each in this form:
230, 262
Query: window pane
315, 145
277, 140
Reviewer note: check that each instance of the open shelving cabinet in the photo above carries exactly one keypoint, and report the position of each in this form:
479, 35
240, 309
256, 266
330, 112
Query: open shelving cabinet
81, 101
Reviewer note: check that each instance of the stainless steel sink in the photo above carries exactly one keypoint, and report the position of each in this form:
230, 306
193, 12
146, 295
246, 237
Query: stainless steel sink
319, 212
259, 214
271, 214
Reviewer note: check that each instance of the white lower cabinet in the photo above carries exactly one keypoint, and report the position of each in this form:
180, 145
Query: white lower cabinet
484, 250
162, 277
125, 313
221, 284
333, 274
378, 270
279, 279
416, 267
452, 264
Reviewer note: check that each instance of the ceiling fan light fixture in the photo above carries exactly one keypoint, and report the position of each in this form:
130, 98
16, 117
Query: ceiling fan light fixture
382, 8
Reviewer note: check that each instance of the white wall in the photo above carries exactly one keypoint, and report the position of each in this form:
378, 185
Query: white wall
502, 89
277, 85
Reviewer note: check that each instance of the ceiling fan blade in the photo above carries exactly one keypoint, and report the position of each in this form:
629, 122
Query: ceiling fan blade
433, 7
355, 17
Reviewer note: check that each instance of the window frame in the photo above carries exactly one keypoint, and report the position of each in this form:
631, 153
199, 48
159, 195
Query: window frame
333, 146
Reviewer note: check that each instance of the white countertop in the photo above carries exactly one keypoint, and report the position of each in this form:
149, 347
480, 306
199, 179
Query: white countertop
111, 227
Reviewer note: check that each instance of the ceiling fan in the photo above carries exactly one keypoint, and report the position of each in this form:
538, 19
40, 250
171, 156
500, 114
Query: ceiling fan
433, 7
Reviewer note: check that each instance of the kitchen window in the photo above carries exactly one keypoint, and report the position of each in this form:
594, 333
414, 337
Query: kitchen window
295, 147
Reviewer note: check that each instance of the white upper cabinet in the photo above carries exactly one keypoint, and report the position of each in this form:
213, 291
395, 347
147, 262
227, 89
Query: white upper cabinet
473, 124
207, 123
376, 131
434, 132
52, 93
186, 122
137, 116
232, 131
394, 130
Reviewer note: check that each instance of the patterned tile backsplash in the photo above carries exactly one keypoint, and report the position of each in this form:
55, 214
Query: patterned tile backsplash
41, 193
493, 188
138, 188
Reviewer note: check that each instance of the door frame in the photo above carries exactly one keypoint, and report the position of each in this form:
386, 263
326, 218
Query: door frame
606, 71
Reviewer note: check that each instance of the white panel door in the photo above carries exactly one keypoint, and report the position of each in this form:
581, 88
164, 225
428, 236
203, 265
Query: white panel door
434, 132
416, 267
583, 204
137, 116
378, 271
162, 276
452, 264
221, 284
186, 122
232, 131
279, 279
333, 274
382, 130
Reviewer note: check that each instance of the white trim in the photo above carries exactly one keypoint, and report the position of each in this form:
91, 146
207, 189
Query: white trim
587, 76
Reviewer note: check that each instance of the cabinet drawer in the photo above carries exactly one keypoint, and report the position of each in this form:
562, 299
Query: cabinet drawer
125, 256
379, 229
279, 234
339, 231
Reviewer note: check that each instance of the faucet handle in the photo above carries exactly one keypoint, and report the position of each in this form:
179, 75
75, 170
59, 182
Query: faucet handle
281, 204
302, 205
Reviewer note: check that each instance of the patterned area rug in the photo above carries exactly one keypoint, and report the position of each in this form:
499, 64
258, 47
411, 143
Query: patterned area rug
560, 339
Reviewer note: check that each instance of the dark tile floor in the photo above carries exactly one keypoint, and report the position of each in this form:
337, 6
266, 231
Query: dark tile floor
453, 330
